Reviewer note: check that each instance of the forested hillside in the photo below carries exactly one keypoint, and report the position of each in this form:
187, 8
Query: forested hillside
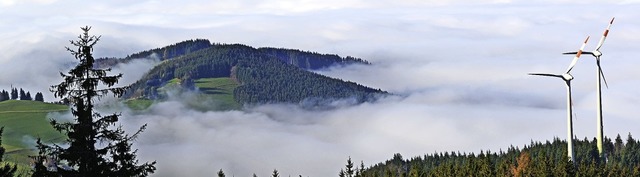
264, 75
536, 159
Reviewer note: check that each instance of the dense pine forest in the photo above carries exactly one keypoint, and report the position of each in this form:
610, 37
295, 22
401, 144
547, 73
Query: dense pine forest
536, 159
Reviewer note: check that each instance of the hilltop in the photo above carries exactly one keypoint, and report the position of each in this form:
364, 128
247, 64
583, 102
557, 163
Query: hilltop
235, 75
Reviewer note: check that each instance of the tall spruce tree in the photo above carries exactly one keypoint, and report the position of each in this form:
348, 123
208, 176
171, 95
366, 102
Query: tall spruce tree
114, 156
6, 170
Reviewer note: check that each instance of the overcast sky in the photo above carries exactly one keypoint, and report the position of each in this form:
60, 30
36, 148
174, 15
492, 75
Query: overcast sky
460, 67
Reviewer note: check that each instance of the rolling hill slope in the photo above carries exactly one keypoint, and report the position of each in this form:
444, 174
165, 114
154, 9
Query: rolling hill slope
24, 122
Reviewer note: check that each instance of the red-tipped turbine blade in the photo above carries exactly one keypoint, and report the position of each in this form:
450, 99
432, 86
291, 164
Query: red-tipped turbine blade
604, 35
575, 59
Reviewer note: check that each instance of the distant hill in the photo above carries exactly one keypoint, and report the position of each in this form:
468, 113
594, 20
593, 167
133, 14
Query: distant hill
303, 59
263, 75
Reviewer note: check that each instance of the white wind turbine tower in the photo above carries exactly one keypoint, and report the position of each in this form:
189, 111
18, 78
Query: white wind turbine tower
596, 53
567, 79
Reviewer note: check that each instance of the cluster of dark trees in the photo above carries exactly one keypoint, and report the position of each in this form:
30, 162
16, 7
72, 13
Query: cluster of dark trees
263, 77
536, 159
15, 95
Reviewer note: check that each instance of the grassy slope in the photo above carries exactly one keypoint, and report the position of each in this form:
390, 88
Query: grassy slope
24, 121
216, 94
218, 90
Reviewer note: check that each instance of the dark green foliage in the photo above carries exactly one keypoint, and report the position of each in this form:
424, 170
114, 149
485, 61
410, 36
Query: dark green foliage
262, 77
536, 159
309, 60
39, 97
275, 173
349, 168
266, 80
221, 173
14, 93
113, 156
23, 96
6, 170
4, 95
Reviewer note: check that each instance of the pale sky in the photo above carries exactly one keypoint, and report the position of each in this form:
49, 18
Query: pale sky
460, 67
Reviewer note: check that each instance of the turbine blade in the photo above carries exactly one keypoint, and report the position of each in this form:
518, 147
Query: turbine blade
604, 35
575, 59
603, 78
573, 53
575, 114
545, 74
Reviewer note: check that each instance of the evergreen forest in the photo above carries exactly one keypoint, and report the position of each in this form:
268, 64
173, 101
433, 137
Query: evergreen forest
621, 158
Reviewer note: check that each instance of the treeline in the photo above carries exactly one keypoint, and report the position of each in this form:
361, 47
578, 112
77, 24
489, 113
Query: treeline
536, 159
21, 95
171, 51
263, 78
310, 60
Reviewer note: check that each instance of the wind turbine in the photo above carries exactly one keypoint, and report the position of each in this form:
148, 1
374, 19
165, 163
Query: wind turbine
596, 53
567, 80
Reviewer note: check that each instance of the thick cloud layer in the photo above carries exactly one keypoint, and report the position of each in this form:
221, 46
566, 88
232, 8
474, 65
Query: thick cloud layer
458, 69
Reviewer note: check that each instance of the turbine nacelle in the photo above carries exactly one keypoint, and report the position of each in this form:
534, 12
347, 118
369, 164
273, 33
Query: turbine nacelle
567, 77
596, 53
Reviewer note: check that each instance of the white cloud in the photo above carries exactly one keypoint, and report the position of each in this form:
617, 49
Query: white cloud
459, 65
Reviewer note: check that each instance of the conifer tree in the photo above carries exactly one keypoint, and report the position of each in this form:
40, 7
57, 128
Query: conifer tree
4, 95
14, 93
39, 97
349, 168
113, 155
275, 173
221, 173
6, 170
23, 96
